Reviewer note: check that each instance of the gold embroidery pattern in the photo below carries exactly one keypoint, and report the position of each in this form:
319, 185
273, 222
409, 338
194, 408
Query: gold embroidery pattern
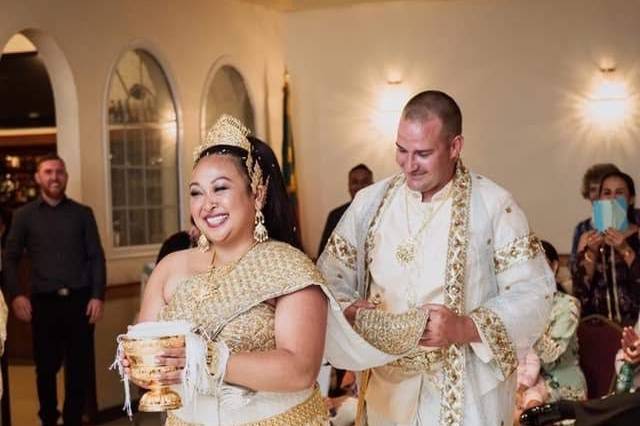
418, 361
271, 269
391, 333
342, 250
258, 324
517, 251
173, 420
311, 412
394, 184
495, 335
451, 409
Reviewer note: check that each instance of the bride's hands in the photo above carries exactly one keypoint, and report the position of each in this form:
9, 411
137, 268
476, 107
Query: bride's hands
171, 357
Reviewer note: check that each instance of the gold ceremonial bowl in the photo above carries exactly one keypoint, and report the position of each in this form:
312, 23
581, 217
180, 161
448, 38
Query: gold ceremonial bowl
142, 353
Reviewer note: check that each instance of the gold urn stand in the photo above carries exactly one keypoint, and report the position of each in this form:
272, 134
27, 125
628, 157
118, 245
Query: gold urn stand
141, 353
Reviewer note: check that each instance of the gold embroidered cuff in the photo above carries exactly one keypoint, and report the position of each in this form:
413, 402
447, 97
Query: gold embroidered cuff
519, 250
343, 250
391, 333
494, 334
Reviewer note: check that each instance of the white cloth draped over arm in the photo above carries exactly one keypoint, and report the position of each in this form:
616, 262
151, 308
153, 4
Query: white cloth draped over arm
513, 319
342, 268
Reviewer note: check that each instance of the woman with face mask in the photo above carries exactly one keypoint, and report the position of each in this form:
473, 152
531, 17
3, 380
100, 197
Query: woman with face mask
607, 277
253, 297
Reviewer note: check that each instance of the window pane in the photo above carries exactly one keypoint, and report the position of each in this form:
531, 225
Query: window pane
153, 147
135, 147
137, 227
154, 187
118, 189
120, 229
117, 147
143, 151
135, 183
156, 234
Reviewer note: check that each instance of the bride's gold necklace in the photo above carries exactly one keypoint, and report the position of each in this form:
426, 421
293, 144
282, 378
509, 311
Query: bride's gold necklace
406, 251
216, 272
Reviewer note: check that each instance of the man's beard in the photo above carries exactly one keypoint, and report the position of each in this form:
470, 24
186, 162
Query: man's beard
55, 194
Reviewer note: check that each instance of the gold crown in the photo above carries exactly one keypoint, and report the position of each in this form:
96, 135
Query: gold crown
227, 131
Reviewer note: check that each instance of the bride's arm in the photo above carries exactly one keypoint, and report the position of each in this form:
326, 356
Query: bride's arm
300, 328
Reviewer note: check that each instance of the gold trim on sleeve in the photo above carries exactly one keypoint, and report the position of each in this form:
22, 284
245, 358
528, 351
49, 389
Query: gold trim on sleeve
391, 333
343, 250
517, 251
491, 327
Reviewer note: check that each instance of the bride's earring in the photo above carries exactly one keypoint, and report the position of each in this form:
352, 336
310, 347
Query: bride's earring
260, 233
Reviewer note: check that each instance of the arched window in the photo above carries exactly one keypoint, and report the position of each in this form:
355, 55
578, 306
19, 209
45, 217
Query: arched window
227, 94
143, 135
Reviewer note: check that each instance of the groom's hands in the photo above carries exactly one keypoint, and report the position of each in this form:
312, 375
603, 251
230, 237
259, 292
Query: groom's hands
351, 310
445, 328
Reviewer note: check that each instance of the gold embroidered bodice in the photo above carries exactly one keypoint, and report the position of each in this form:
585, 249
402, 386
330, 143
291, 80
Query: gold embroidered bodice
229, 303
251, 331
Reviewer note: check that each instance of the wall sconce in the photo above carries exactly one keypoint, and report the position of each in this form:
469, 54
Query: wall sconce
609, 104
391, 98
394, 77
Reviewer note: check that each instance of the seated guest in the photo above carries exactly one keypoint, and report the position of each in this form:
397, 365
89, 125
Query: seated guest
181, 240
620, 409
556, 352
530, 390
630, 352
590, 190
558, 346
360, 176
343, 404
607, 269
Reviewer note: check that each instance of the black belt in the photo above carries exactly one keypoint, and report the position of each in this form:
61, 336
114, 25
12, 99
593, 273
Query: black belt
63, 292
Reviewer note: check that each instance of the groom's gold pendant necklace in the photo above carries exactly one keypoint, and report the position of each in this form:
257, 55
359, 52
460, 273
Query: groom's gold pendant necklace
406, 251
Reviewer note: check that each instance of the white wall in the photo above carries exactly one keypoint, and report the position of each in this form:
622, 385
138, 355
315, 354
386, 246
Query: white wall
187, 38
516, 67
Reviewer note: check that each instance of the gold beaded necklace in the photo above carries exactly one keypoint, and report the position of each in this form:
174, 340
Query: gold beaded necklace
406, 251
214, 273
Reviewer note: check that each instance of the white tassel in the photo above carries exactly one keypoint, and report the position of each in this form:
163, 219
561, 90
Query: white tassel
117, 365
194, 373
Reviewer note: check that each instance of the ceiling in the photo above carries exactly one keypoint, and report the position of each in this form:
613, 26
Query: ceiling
298, 5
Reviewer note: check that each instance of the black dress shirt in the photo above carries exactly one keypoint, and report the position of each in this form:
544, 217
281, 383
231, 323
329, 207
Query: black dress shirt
332, 221
63, 244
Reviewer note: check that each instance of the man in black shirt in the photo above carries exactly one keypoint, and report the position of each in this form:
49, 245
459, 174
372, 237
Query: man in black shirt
67, 285
360, 176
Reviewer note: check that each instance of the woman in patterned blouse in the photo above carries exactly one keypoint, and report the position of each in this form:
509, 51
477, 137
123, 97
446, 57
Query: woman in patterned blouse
612, 291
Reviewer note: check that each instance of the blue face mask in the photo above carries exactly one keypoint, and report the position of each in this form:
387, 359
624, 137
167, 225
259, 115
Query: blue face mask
610, 214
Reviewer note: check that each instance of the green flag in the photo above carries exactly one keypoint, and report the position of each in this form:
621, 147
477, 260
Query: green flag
288, 156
